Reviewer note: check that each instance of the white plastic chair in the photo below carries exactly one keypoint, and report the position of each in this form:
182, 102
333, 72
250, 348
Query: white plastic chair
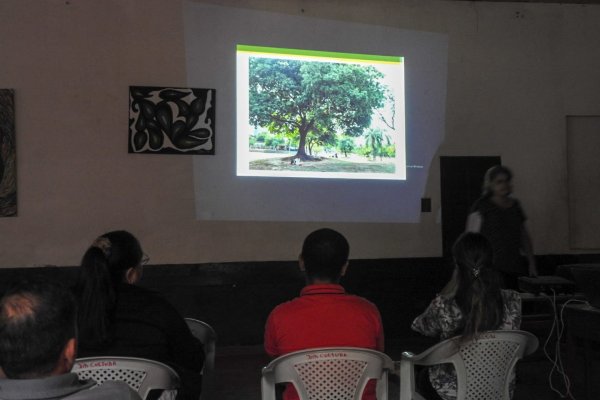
484, 367
336, 373
207, 335
140, 374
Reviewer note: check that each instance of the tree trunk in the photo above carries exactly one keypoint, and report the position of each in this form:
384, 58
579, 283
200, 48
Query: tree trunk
301, 153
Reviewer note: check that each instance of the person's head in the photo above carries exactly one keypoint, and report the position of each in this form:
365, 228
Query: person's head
113, 258
117, 252
497, 181
472, 257
37, 329
324, 256
478, 286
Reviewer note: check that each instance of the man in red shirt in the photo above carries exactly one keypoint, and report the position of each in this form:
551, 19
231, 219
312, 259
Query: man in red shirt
324, 315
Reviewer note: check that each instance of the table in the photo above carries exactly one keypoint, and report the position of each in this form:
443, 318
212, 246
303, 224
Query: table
539, 311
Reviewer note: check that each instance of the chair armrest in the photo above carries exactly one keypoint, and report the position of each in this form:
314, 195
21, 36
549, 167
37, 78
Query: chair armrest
405, 368
437, 354
267, 385
532, 344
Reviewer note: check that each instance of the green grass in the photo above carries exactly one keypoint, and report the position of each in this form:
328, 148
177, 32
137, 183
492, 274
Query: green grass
322, 165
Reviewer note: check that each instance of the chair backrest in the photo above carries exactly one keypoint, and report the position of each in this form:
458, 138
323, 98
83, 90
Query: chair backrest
207, 335
484, 366
140, 374
335, 373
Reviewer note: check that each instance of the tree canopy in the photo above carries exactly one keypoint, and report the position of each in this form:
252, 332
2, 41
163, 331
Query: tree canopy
298, 97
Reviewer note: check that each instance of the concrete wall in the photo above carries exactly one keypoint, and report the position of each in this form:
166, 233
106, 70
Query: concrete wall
515, 71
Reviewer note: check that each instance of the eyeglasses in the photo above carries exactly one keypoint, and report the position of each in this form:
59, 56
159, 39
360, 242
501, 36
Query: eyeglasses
145, 259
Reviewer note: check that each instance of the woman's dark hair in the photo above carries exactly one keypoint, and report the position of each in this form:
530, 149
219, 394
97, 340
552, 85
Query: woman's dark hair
478, 293
102, 269
491, 174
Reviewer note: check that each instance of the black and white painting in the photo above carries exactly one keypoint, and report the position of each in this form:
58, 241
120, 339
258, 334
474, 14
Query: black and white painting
8, 164
168, 120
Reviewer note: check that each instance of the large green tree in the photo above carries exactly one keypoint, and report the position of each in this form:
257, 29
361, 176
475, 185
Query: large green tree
297, 98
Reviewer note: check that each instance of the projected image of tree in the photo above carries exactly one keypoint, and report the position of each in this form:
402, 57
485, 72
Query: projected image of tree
321, 116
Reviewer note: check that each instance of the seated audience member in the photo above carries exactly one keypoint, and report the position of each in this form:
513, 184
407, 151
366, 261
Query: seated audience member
118, 318
38, 347
472, 302
324, 314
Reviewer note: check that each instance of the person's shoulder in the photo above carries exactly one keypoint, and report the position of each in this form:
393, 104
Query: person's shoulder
481, 204
357, 305
361, 301
442, 300
137, 290
148, 296
442, 303
283, 313
510, 295
516, 202
286, 306
146, 302
517, 206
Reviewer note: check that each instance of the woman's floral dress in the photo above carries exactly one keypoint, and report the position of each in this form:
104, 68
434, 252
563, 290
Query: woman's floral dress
443, 318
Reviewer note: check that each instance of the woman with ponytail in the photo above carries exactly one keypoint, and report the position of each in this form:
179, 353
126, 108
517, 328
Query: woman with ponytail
471, 303
118, 318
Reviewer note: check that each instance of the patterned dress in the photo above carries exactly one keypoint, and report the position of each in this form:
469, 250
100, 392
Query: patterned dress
443, 318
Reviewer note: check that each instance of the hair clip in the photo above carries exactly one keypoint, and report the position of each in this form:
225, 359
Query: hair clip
103, 244
476, 272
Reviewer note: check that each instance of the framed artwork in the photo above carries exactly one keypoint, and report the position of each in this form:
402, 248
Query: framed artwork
168, 120
8, 163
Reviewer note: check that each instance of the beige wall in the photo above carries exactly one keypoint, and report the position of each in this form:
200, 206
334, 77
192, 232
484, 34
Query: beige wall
515, 71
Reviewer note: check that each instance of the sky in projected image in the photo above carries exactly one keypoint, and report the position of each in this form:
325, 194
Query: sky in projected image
317, 114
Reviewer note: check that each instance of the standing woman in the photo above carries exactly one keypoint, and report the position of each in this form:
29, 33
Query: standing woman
472, 302
118, 318
499, 217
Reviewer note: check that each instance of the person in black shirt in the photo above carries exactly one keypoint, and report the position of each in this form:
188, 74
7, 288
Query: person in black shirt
499, 217
118, 318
